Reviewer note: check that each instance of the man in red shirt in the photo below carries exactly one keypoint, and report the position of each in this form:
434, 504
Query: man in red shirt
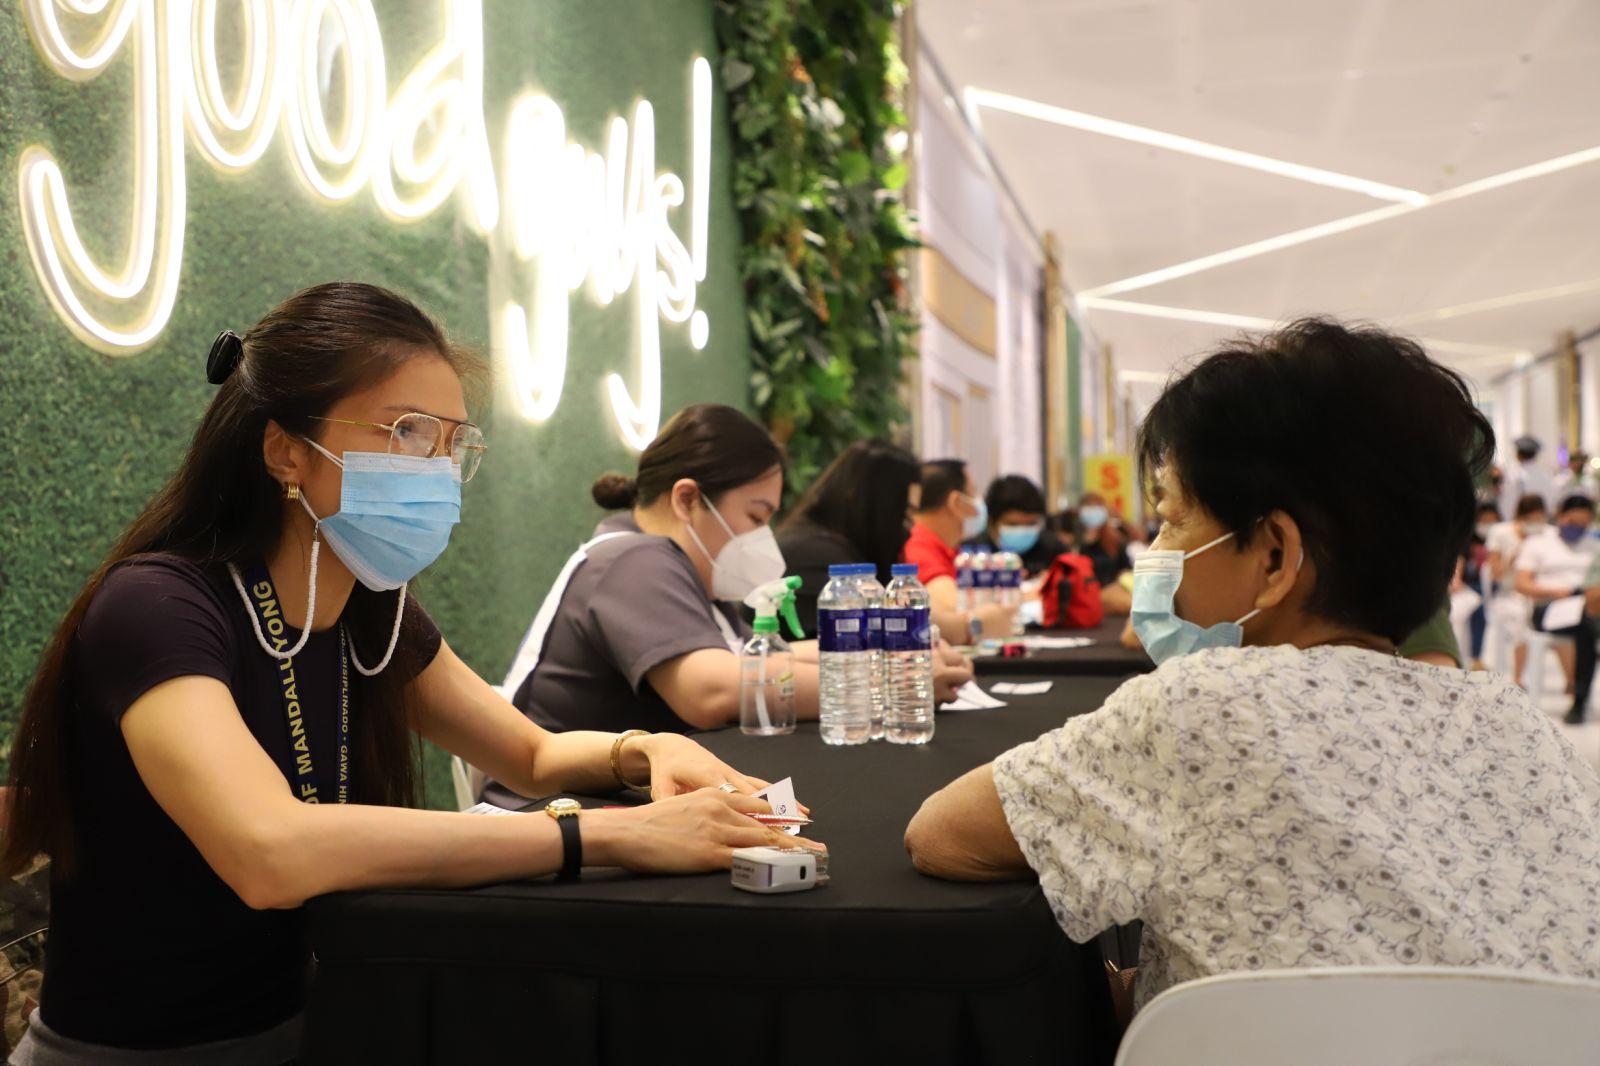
951, 513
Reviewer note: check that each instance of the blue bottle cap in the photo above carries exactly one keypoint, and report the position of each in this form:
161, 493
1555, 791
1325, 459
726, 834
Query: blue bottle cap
903, 570
841, 569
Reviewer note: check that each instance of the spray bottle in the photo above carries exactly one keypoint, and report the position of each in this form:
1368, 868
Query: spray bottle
766, 664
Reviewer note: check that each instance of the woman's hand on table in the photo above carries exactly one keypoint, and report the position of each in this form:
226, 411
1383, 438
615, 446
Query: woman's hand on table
679, 765
683, 834
951, 670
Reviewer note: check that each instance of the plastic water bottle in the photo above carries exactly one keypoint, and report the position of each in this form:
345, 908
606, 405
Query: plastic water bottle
982, 578
908, 659
964, 601
843, 666
872, 592
1008, 586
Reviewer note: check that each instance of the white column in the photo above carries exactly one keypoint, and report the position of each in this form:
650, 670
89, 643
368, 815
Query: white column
1589, 395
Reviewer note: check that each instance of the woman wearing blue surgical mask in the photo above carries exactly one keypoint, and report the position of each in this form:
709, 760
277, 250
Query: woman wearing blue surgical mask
226, 721
1285, 790
642, 629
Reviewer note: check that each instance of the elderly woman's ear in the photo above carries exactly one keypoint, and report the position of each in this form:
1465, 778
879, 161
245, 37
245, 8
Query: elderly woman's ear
1282, 560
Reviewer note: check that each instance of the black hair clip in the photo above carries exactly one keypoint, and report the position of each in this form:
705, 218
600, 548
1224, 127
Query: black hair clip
226, 351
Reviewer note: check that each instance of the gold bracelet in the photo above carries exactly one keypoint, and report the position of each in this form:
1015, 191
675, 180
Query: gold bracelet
616, 757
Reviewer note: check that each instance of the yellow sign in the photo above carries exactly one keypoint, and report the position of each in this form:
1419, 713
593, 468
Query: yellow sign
1111, 476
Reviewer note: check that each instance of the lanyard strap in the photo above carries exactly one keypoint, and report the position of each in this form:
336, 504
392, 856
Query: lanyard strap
298, 767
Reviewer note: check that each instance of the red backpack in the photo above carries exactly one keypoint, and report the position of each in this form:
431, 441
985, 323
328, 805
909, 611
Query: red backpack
1070, 596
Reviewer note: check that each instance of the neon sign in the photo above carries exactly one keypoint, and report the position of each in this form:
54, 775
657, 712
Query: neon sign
560, 217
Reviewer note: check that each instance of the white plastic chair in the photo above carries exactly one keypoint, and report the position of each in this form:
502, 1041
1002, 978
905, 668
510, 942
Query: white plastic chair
1373, 1015
1540, 645
468, 780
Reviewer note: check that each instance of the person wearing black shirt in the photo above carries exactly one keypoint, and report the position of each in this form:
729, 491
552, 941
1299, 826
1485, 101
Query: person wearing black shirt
858, 510
223, 724
1017, 523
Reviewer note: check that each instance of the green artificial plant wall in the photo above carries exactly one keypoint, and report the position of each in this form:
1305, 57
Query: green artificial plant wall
814, 97
87, 438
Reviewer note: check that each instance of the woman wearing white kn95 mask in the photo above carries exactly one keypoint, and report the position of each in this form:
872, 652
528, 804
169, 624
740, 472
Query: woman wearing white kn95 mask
226, 722
642, 628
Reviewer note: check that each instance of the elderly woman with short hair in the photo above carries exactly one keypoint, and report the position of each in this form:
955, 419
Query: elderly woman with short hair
1284, 790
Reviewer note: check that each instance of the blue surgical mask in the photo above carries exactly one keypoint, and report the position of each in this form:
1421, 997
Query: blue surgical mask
1092, 516
1156, 577
972, 526
1020, 539
395, 514
1572, 534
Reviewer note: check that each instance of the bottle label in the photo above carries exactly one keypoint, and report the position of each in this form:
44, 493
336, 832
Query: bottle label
875, 628
906, 629
1009, 579
984, 579
841, 630
964, 577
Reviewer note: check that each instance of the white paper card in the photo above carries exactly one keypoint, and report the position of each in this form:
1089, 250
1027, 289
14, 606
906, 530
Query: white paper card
970, 697
1032, 611
1028, 688
486, 808
1563, 614
781, 795
1043, 643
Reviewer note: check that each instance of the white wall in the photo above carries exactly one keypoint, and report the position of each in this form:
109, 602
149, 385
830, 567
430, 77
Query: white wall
973, 406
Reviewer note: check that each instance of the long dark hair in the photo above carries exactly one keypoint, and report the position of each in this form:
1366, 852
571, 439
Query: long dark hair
862, 497
717, 447
222, 506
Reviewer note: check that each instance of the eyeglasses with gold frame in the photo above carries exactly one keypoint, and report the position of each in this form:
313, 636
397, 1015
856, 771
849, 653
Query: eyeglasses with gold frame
423, 436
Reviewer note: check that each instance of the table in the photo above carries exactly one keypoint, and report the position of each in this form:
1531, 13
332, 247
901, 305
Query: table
882, 965
1106, 657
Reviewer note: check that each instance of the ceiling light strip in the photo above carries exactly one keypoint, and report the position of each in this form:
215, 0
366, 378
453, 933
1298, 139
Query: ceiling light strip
1344, 225
1495, 303
1251, 322
1125, 131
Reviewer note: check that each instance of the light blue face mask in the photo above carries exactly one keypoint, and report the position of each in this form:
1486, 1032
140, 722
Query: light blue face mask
1020, 539
972, 526
1156, 577
395, 514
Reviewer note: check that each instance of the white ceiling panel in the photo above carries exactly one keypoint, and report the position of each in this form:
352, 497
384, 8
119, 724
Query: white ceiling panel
1420, 94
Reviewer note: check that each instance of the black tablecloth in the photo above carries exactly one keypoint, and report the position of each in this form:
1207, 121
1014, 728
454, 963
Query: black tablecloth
881, 965
1106, 657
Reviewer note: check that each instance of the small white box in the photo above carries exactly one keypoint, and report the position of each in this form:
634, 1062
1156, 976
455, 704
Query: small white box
770, 870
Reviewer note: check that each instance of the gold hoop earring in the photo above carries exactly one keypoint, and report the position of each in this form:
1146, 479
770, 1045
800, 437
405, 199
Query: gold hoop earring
291, 491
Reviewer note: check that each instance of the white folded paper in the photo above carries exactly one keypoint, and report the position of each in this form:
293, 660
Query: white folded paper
970, 697
1563, 614
486, 808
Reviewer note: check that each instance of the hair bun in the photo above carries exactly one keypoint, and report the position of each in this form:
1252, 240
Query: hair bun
226, 352
614, 492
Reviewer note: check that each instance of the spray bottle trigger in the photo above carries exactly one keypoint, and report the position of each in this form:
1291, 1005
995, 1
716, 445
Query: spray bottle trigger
786, 607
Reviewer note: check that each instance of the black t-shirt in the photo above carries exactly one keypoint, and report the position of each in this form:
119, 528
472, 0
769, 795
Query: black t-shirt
148, 947
1107, 567
808, 550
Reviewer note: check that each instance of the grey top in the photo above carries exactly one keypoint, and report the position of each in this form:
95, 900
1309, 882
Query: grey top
635, 603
